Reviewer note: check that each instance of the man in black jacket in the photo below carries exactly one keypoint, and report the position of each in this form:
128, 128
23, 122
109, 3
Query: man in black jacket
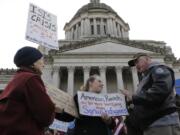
153, 109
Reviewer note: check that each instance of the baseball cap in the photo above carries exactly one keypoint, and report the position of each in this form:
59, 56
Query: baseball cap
132, 62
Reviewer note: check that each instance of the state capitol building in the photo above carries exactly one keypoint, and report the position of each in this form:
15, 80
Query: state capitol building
97, 42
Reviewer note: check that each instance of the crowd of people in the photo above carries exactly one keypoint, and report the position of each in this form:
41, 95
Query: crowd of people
26, 108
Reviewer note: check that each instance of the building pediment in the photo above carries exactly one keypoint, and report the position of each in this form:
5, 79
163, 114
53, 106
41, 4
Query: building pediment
107, 48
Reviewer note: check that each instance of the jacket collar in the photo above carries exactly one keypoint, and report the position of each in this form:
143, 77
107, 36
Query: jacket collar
151, 65
27, 69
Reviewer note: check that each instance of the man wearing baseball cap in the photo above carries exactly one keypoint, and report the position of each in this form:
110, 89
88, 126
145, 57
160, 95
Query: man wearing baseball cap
153, 109
132, 62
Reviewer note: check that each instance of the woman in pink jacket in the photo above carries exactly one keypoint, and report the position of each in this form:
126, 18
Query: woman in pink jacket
25, 108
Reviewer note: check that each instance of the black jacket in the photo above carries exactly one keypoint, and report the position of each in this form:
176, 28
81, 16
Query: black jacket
86, 125
154, 98
178, 104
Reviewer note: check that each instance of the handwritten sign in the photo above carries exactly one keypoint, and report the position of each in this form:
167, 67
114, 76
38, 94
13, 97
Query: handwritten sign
93, 104
59, 125
62, 100
42, 27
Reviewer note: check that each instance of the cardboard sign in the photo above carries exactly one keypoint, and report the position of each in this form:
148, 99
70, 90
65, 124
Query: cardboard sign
42, 27
62, 100
93, 104
59, 125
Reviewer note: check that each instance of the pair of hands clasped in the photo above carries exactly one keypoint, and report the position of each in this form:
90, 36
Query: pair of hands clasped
106, 118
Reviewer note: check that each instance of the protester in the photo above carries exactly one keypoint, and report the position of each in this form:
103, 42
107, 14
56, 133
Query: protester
153, 108
25, 108
88, 125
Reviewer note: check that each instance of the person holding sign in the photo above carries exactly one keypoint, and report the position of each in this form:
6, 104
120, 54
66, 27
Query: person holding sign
25, 108
153, 108
88, 125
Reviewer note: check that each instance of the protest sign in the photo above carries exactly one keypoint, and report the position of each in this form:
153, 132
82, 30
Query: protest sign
59, 125
42, 27
62, 100
93, 104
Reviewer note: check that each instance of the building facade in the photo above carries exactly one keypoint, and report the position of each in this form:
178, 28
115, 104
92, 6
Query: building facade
97, 42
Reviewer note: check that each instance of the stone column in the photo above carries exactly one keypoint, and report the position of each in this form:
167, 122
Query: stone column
126, 34
72, 33
76, 32
111, 25
86, 73
114, 28
56, 77
67, 34
134, 78
120, 84
118, 30
95, 26
103, 77
108, 26
87, 27
122, 32
82, 28
70, 88
102, 27
47, 74
69, 37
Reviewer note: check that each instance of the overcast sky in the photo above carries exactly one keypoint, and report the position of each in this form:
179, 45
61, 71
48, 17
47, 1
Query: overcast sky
148, 20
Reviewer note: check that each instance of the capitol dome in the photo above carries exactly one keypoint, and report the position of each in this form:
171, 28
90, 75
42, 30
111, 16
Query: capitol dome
96, 19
